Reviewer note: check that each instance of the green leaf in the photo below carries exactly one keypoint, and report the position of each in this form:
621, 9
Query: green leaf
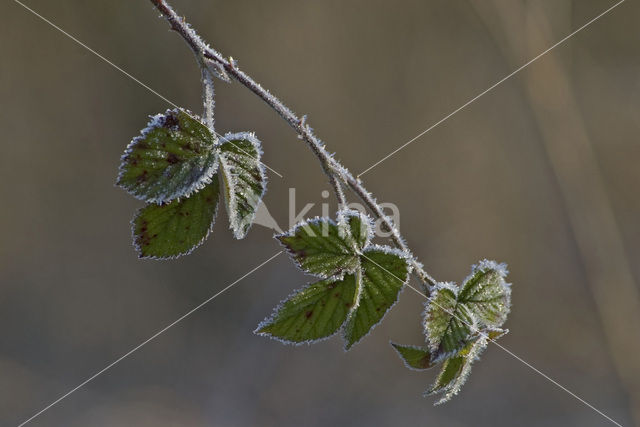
245, 181
451, 369
177, 227
173, 157
453, 314
455, 370
448, 324
414, 357
319, 247
359, 227
460, 322
487, 294
313, 313
329, 250
384, 272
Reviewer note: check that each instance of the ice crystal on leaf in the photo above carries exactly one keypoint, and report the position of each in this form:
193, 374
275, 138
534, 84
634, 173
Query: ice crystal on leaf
359, 226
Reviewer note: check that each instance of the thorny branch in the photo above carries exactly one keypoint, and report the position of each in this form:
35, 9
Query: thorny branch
226, 68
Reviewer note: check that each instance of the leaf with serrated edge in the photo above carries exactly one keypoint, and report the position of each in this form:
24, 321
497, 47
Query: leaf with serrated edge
456, 369
358, 225
319, 247
312, 313
448, 324
414, 357
173, 157
486, 293
453, 313
244, 177
384, 273
451, 369
178, 227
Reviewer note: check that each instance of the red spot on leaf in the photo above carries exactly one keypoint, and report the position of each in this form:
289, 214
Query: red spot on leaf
172, 159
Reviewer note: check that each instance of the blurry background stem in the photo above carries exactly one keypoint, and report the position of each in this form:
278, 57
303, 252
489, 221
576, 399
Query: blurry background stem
523, 29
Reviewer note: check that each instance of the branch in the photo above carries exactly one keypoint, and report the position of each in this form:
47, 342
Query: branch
332, 168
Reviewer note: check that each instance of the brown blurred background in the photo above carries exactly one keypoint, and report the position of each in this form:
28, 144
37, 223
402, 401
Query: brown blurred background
540, 173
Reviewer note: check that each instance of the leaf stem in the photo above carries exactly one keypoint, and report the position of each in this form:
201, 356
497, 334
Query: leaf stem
332, 168
208, 96
337, 189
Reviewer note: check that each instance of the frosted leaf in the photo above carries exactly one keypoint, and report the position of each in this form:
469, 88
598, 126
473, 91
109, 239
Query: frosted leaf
244, 178
448, 324
487, 294
460, 322
173, 157
177, 227
452, 314
414, 357
455, 370
333, 250
319, 247
384, 273
359, 226
312, 313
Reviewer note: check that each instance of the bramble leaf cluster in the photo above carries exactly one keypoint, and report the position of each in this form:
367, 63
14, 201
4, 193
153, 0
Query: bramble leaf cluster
459, 322
359, 282
179, 167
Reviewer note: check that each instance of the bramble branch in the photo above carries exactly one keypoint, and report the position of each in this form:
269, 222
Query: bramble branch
209, 57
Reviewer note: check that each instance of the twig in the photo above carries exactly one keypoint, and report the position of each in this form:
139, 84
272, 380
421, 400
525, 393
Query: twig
332, 168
